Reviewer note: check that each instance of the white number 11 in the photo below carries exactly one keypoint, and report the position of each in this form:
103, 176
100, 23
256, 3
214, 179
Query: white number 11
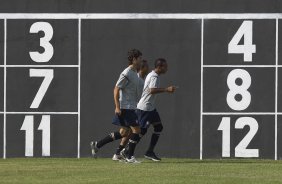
28, 127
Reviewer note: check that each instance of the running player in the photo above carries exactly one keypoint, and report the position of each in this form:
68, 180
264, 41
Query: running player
125, 98
142, 73
146, 109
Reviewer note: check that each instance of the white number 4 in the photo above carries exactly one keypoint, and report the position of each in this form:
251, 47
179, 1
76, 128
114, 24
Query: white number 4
246, 30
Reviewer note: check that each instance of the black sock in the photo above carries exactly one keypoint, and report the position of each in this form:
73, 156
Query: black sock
109, 138
127, 145
132, 144
154, 140
119, 149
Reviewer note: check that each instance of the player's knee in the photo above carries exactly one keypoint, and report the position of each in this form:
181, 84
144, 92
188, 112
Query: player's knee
116, 135
158, 128
143, 131
135, 130
124, 132
128, 134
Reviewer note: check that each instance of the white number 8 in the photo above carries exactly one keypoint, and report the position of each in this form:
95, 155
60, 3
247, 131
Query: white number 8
44, 42
238, 89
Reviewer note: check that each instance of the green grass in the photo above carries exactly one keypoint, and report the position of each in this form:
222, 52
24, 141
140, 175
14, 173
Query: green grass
105, 171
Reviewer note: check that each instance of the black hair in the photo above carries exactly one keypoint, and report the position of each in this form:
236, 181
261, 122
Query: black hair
159, 62
133, 53
143, 63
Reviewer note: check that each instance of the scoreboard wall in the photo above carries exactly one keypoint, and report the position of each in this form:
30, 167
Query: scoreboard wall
58, 71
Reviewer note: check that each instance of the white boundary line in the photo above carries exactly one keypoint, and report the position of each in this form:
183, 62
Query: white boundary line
79, 70
205, 66
203, 113
140, 15
127, 16
239, 113
5, 79
276, 87
38, 66
238, 66
40, 112
201, 103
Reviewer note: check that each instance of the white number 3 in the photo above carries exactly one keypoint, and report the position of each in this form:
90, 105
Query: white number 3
44, 42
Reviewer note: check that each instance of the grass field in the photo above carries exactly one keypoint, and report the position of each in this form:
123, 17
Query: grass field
87, 170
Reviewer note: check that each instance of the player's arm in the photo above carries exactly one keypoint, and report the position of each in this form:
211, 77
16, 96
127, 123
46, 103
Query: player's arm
121, 83
154, 89
169, 89
116, 99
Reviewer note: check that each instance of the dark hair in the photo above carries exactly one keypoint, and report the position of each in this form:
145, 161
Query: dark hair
133, 53
159, 62
143, 63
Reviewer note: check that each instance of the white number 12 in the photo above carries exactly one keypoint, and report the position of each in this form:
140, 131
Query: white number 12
241, 149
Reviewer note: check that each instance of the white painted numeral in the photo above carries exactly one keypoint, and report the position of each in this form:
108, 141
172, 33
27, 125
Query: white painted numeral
28, 127
238, 89
48, 75
45, 127
248, 48
241, 149
225, 128
44, 42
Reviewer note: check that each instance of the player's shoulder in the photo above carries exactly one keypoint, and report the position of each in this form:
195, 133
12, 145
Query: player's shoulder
126, 70
152, 74
129, 74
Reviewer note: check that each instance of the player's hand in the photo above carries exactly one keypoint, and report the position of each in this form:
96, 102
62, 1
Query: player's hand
118, 111
171, 89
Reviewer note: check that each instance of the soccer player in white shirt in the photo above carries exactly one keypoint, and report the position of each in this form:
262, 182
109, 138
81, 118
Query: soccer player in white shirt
146, 108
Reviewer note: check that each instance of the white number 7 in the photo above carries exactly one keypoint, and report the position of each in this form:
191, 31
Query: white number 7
48, 75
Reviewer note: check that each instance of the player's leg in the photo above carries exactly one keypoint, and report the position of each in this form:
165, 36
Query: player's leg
158, 127
117, 120
142, 122
150, 154
117, 156
134, 139
124, 152
131, 120
96, 145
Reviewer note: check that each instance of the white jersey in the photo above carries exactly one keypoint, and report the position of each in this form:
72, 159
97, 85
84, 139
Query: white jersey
147, 101
128, 83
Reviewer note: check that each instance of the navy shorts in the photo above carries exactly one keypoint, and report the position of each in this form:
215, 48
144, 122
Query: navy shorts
145, 118
127, 118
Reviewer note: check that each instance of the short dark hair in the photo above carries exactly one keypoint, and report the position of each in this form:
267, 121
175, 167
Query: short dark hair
143, 63
133, 53
159, 62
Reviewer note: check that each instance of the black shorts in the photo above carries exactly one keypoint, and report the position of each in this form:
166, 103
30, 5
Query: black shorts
127, 118
145, 118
